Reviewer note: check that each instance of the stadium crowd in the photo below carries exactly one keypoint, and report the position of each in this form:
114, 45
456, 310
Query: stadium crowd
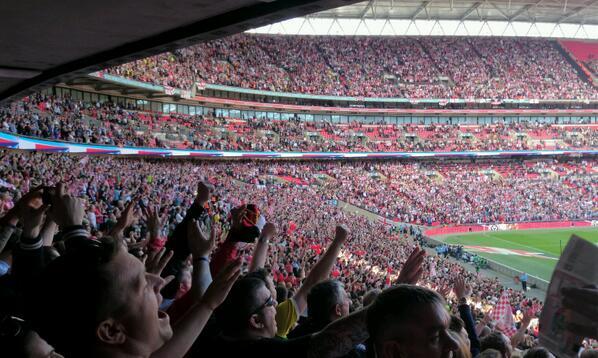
430, 67
112, 124
467, 193
67, 223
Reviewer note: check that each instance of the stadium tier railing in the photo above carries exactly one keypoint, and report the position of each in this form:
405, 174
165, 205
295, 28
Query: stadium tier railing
388, 111
15, 141
189, 94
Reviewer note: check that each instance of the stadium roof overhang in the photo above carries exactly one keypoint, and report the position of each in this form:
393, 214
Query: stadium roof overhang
539, 18
551, 11
46, 42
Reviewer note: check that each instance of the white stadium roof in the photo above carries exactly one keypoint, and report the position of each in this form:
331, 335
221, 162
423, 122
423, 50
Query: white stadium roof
536, 18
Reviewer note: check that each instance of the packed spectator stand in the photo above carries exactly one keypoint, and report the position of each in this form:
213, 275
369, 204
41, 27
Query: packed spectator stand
106, 123
103, 256
114, 191
429, 67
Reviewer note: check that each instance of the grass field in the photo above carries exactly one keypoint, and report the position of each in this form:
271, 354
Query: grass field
533, 251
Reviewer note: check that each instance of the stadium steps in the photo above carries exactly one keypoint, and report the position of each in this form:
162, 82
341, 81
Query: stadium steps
289, 179
580, 51
327, 61
436, 66
477, 52
323, 178
573, 62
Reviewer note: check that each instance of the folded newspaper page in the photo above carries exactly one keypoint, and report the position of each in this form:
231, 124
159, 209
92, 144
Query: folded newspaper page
577, 267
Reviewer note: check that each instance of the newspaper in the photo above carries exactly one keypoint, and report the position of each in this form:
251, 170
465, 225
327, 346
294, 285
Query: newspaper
577, 267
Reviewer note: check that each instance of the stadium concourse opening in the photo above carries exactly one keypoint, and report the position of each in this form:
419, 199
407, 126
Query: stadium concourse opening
299, 178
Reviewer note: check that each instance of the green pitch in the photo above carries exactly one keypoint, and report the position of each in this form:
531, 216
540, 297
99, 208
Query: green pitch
533, 251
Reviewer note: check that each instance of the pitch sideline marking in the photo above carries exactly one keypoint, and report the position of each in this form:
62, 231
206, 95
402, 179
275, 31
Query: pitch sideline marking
521, 245
507, 252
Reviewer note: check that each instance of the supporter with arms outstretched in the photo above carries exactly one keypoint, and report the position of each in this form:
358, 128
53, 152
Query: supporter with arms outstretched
248, 323
247, 320
288, 311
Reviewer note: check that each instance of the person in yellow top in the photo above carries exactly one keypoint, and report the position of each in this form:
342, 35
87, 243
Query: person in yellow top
288, 311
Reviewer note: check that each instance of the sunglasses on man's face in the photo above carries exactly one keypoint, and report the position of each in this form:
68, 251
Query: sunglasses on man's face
269, 303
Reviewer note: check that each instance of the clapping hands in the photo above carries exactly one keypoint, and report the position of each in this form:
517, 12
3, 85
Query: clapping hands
200, 244
65, 209
413, 269
461, 289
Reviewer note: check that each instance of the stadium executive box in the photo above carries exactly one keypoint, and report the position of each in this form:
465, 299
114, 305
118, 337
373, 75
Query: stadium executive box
12, 141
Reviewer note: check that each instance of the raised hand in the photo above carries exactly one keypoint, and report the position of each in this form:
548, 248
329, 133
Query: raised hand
461, 289
203, 192
528, 315
31, 199
219, 288
155, 221
155, 261
413, 269
32, 219
268, 232
487, 317
342, 233
138, 245
200, 244
126, 219
444, 290
66, 210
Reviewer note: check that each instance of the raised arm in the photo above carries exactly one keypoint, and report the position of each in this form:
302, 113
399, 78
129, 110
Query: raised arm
126, 219
48, 231
200, 246
412, 269
260, 252
187, 329
340, 336
155, 225
228, 251
322, 268
65, 210
28, 258
483, 323
9, 221
462, 291
178, 240
520, 334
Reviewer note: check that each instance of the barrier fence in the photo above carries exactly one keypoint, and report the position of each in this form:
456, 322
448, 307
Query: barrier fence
14, 141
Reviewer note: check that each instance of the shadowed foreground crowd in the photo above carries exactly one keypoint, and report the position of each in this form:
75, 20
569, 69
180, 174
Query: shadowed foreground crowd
104, 257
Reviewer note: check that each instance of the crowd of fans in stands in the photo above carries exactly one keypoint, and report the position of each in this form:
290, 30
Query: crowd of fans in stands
296, 250
107, 123
430, 67
466, 193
